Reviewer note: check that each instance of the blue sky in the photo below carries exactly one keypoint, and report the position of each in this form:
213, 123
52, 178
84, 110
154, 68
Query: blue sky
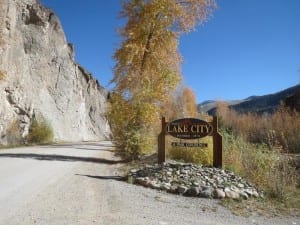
248, 47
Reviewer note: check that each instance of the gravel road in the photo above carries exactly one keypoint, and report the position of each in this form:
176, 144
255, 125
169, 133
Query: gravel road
78, 184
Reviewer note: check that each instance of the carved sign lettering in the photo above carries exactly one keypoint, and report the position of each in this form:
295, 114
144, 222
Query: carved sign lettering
189, 128
190, 145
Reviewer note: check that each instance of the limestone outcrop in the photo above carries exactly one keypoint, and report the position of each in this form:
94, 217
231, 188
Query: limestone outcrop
39, 78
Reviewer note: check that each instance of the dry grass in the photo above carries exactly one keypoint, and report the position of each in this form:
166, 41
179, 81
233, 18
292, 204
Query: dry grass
40, 133
279, 130
14, 136
265, 207
255, 147
2, 75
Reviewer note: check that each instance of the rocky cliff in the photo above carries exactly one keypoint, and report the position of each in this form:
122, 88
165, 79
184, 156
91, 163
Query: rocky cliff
39, 78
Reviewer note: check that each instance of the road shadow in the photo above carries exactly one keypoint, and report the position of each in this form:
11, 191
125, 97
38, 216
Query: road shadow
118, 178
85, 146
63, 158
98, 149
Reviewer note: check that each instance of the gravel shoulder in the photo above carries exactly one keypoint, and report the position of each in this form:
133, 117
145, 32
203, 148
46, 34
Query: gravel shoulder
78, 184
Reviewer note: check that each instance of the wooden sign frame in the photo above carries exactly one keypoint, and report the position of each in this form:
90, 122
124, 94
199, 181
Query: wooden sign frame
217, 142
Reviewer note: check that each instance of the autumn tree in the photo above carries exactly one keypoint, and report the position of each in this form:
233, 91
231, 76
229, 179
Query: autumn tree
182, 104
187, 100
147, 66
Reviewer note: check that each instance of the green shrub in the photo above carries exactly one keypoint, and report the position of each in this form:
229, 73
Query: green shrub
136, 142
133, 126
40, 133
265, 167
270, 170
232, 157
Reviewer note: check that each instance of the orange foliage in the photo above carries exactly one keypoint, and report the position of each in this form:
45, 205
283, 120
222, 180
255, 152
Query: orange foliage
279, 130
147, 69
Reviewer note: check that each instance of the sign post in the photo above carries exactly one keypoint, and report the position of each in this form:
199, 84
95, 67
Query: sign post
161, 157
190, 128
217, 145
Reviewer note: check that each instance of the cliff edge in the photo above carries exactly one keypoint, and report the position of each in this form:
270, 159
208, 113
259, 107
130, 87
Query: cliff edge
39, 78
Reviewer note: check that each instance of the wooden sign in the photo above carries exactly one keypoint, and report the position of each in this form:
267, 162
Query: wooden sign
191, 128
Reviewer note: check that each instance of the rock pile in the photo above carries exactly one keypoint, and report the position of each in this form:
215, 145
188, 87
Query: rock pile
193, 180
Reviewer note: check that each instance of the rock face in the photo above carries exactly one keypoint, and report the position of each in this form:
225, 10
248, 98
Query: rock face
41, 79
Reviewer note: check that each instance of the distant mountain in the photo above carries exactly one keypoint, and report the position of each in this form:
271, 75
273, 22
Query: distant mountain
259, 104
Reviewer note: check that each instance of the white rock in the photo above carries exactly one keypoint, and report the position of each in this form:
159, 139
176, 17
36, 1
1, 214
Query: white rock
43, 80
182, 189
252, 193
219, 193
231, 194
244, 195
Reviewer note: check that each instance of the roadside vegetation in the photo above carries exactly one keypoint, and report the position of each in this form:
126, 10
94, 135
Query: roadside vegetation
14, 136
265, 150
40, 132
147, 72
253, 149
147, 80
2, 75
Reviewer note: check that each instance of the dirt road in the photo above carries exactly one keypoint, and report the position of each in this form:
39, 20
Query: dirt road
79, 184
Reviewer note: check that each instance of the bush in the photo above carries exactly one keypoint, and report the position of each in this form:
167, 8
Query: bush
255, 147
40, 133
2, 75
134, 126
283, 179
232, 157
265, 167
13, 135
279, 130
136, 142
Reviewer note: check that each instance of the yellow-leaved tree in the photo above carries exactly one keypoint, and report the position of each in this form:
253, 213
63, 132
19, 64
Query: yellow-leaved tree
181, 104
147, 69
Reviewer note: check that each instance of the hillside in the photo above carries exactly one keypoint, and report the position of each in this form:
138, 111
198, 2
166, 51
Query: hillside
42, 81
258, 104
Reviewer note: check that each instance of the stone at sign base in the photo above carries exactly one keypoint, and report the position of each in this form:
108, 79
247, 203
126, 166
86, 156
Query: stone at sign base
194, 180
219, 193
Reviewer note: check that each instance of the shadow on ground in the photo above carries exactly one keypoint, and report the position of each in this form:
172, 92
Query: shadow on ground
119, 178
61, 158
85, 146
